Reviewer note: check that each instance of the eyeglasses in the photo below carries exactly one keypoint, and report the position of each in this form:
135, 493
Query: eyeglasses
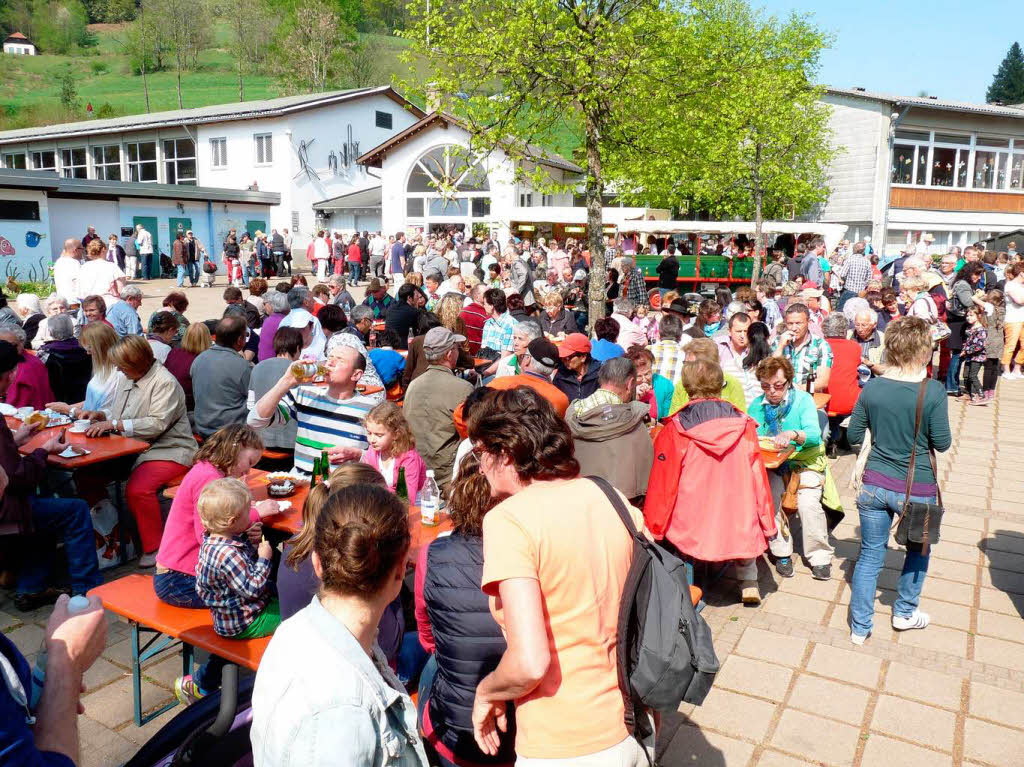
768, 386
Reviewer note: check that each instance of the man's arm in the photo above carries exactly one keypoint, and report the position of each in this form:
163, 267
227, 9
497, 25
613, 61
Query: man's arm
266, 406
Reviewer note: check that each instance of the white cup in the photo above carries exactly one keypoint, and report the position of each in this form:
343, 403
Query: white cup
80, 425
25, 412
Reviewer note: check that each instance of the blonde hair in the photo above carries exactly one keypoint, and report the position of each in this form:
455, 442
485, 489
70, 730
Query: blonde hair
390, 416
702, 349
221, 503
415, 278
99, 338
197, 338
914, 284
703, 379
448, 310
553, 299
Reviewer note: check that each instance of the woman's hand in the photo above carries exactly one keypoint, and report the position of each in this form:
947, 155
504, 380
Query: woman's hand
342, 454
267, 508
92, 415
99, 428
783, 439
489, 717
59, 407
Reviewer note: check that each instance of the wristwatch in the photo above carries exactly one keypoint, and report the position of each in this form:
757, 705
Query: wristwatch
113, 424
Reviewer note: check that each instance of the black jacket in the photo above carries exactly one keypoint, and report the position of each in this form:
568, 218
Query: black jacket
574, 388
668, 273
468, 644
400, 318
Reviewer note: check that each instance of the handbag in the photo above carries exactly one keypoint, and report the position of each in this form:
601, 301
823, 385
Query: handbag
919, 522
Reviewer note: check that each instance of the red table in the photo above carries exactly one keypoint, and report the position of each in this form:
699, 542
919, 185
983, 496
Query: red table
100, 449
773, 459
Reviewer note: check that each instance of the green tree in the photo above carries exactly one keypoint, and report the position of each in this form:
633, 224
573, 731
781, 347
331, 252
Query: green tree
309, 46
1008, 83
60, 26
68, 93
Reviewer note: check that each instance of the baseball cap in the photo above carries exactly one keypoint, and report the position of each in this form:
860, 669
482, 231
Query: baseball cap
9, 357
574, 343
545, 352
580, 275
297, 318
439, 340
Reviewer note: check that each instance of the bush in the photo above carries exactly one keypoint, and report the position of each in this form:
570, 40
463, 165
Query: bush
99, 67
41, 289
105, 111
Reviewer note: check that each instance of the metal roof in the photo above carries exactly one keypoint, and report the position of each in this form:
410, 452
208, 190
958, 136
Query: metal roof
1012, 111
244, 110
363, 198
53, 184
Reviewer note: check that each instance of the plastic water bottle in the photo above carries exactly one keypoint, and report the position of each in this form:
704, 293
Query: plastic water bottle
430, 501
75, 605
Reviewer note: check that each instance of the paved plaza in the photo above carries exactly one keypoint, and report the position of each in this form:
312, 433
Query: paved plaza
792, 690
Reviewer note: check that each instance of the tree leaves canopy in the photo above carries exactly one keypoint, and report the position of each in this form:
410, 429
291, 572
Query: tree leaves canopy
1008, 82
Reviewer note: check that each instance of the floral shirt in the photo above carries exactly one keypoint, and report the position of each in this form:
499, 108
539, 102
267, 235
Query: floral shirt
974, 345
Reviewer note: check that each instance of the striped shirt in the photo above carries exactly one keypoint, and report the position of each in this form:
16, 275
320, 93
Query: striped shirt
669, 358
498, 332
323, 422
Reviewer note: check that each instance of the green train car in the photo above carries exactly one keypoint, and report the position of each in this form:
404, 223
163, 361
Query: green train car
698, 269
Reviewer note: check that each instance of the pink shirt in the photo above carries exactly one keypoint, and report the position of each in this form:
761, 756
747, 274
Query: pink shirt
410, 460
30, 385
183, 533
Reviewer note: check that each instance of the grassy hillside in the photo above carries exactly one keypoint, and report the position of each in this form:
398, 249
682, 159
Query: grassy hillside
30, 87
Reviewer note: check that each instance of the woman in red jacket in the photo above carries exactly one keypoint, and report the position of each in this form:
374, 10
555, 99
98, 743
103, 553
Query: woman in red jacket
844, 383
708, 493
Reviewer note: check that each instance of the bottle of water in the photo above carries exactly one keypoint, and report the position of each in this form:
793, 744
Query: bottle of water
75, 605
430, 501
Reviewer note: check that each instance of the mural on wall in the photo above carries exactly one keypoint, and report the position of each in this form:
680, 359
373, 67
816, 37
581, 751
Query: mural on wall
345, 161
24, 267
305, 166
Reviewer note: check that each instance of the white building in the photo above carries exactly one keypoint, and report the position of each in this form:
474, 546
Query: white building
916, 165
303, 148
17, 44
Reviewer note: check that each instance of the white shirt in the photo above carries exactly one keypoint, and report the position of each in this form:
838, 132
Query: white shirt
96, 278
321, 251
160, 349
145, 242
65, 277
378, 246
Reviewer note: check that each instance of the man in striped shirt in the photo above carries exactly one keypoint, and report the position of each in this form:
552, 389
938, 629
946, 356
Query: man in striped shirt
329, 417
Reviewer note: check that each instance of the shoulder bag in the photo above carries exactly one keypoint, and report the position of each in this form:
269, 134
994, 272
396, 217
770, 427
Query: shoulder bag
919, 522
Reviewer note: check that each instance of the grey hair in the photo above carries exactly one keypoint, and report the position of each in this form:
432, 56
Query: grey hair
132, 291
278, 301
616, 371
870, 313
623, 306
536, 366
337, 279
52, 299
297, 296
359, 313
670, 327
735, 307
914, 263
61, 327
530, 328
29, 301
835, 325
17, 332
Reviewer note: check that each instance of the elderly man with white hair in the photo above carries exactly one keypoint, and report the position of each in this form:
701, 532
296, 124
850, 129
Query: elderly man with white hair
124, 314
300, 300
864, 331
30, 313
630, 334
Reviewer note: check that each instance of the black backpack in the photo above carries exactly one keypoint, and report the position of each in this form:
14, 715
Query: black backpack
665, 653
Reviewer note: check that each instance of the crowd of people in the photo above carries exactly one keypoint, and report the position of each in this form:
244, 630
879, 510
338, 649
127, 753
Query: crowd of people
470, 364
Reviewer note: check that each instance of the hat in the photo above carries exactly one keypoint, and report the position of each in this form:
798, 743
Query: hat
574, 343
811, 293
545, 352
679, 306
298, 318
928, 237
439, 340
375, 285
810, 285
9, 357
580, 275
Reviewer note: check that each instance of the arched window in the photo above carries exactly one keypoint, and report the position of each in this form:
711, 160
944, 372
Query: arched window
444, 170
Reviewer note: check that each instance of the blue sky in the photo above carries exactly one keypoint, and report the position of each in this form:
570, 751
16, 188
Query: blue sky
949, 48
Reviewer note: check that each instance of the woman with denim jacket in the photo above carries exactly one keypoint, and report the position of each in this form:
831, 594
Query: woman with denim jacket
324, 693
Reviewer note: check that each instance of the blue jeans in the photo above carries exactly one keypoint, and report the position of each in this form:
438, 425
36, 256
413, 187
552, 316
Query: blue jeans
181, 275
878, 507
192, 267
69, 520
953, 372
179, 589
354, 269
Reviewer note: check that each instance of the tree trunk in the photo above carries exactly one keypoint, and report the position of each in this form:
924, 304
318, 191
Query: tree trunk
142, 37
241, 84
595, 239
181, 103
755, 274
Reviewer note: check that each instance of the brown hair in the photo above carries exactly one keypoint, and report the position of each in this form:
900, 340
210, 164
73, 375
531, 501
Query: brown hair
637, 353
414, 278
197, 338
133, 353
95, 249
522, 425
223, 446
320, 290
346, 475
96, 301
470, 498
257, 286
177, 301
390, 416
362, 535
769, 366
702, 379
908, 343
221, 503
702, 349
162, 322
1014, 269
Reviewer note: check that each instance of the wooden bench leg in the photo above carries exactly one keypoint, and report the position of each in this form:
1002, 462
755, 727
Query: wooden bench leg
156, 645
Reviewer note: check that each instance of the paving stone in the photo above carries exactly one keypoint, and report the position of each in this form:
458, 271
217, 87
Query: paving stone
962, 520
914, 721
1000, 626
766, 645
938, 638
949, 591
1002, 602
920, 684
693, 746
992, 744
845, 665
828, 698
1004, 507
775, 759
795, 606
882, 596
886, 752
7, 620
819, 739
1001, 540
881, 631
953, 571
997, 704
1005, 560
164, 671
947, 614
112, 705
754, 677
733, 713
142, 735
27, 638
970, 501
806, 586
968, 553
101, 672
999, 652
115, 749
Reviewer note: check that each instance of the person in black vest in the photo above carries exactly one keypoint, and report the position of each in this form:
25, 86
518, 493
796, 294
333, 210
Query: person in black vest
454, 622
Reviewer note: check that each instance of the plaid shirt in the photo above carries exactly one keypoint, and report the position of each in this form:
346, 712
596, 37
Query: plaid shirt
636, 290
669, 358
498, 333
232, 581
813, 355
599, 398
855, 273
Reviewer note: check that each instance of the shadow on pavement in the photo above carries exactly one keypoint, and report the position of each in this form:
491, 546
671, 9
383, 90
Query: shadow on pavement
1004, 566
681, 742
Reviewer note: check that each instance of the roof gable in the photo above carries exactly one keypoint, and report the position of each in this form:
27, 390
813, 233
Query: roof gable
1013, 111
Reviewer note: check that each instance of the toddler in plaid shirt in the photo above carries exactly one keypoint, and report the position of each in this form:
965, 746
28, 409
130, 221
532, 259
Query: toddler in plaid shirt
233, 577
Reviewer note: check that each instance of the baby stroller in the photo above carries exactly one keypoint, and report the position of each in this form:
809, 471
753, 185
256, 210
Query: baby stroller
167, 269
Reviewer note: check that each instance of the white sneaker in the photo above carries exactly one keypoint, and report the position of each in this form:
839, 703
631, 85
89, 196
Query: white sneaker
858, 639
147, 560
918, 620
1010, 376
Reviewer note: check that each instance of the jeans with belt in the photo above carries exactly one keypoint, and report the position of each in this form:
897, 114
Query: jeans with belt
877, 507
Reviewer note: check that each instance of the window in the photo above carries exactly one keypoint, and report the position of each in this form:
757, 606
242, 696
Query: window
264, 149
414, 207
44, 160
446, 182
526, 200
985, 168
218, 152
107, 162
19, 210
141, 161
951, 160
16, 161
1016, 162
74, 163
481, 207
180, 161
903, 163
383, 120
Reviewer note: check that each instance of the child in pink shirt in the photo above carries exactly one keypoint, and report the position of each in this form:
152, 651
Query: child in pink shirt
393, 447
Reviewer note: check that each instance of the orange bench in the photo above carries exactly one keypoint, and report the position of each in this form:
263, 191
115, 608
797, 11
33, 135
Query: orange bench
275, 455
133, 598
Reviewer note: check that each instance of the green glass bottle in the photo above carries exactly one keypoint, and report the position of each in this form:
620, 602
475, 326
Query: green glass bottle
401, 488
316, 472
325, 465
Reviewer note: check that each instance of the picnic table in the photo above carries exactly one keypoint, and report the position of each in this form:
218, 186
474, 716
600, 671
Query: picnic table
773, 459
821, 399
105, 448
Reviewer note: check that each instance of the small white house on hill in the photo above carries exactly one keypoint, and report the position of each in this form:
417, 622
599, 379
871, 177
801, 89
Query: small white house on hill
19, 45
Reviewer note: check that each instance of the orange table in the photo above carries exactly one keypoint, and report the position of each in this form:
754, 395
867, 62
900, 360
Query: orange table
100, 449
367, 390
821, 399
773, 459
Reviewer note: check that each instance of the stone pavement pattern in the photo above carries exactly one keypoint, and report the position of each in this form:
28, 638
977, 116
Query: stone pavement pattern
792, 690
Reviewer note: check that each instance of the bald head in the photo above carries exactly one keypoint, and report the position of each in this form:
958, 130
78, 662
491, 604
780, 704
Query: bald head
70, 246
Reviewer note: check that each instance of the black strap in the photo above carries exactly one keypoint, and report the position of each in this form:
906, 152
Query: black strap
616, 501
913, 455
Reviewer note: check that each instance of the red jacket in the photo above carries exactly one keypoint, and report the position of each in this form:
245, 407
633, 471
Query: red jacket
708, 492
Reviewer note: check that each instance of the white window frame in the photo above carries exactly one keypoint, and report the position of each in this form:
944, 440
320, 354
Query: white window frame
68, 165
33, 156
175, 159
100, 165
219, 153
129, 163
263, 144
8, 160
968, 153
